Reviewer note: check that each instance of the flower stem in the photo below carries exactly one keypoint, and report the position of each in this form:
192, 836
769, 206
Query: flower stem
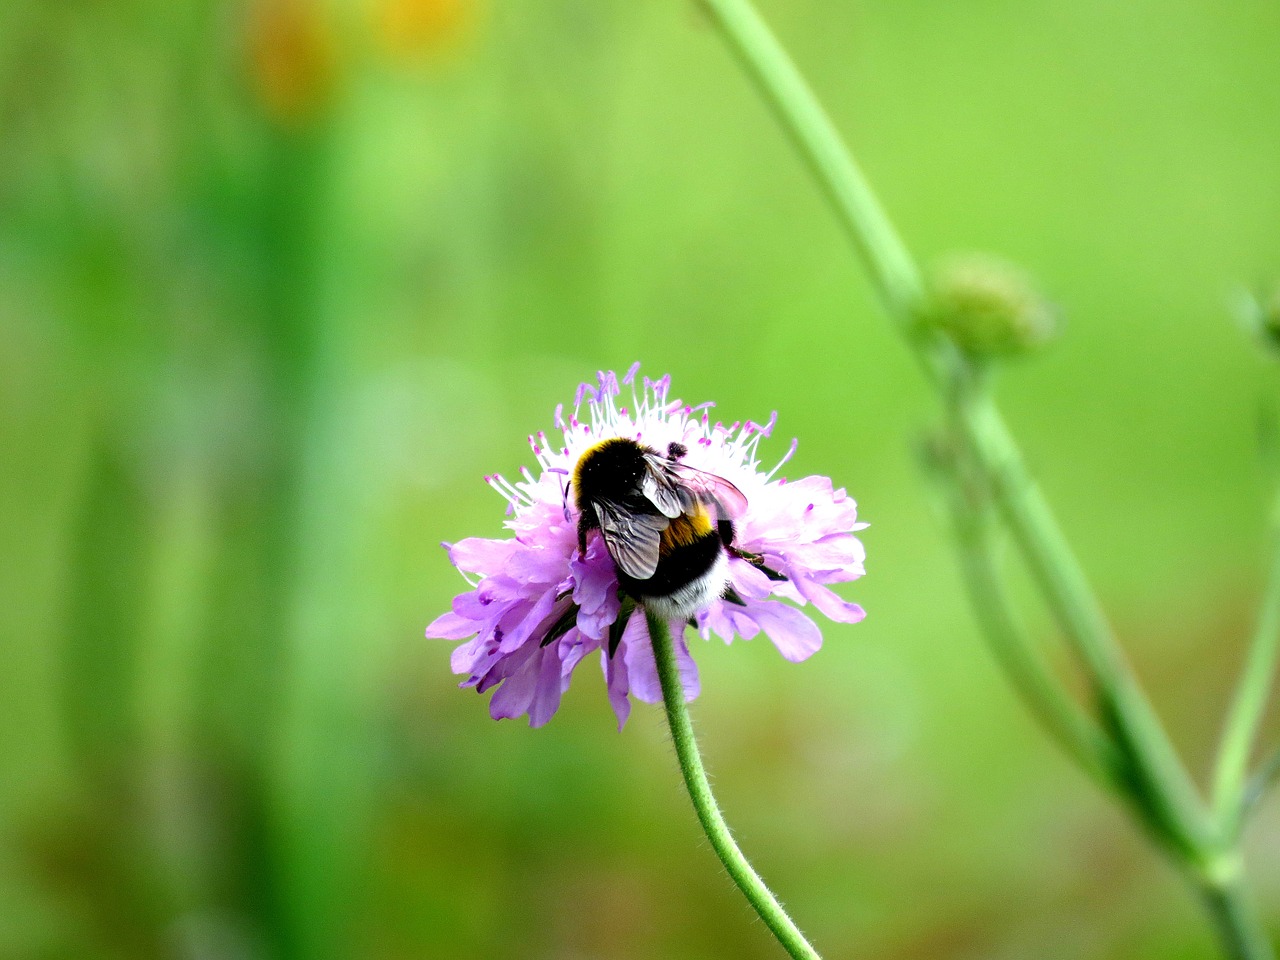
1007, 637
1230, 793
704, 802
1228, 903
1165, 788
892, 269
1157, 768
1152, 774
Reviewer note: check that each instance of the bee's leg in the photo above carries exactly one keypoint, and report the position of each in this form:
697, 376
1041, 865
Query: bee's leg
731, 596
564, 623
757, 561
725, 527
620, 623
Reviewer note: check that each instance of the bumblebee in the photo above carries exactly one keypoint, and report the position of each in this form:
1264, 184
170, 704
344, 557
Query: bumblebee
668, 527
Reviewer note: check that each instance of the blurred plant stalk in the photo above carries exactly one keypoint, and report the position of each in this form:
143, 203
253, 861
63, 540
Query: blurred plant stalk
1121, 744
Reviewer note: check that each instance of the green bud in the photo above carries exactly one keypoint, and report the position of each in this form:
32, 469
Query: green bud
989, 307
1261, 313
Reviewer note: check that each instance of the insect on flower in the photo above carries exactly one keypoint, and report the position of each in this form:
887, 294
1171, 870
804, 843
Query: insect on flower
652, 507
668, 527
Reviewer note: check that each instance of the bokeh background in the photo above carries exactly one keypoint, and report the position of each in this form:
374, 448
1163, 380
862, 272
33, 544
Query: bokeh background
281, 280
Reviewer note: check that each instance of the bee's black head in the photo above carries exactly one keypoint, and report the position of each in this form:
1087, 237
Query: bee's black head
676, 450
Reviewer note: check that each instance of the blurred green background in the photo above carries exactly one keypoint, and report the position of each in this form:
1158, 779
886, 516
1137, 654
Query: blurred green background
280, 280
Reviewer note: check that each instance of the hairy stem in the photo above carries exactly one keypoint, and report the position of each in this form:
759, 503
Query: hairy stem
704, 802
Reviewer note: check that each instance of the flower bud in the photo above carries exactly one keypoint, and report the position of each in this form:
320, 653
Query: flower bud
1261, 314
988, 307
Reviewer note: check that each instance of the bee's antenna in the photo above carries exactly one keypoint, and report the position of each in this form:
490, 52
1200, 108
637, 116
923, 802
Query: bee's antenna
564, 499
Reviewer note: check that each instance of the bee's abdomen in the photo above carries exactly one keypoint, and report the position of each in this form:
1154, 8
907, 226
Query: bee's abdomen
685, 530
684, 556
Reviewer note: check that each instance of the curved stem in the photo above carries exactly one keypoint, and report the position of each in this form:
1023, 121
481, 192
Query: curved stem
1153, 775
704, 802
1166, 787
897, 278
1060, 716
1230, 794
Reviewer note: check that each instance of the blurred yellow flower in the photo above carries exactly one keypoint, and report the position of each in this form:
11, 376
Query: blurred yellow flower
292, 58
415, 30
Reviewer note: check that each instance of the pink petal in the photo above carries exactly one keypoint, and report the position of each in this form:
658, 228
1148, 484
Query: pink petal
835, 552
643, 669
450, 626
595, 590
836, 608
546, 697
742, 623
537, 565
749, 580
463, 659
516, 693
795, 635
573, 646
715, 619
480, 555
471, 606
617, 685
537, 615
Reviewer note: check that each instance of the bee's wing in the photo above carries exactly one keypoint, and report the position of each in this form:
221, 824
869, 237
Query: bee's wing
632, 538
679, 482
664, 490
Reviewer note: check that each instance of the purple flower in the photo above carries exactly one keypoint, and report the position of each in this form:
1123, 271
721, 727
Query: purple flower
538, 608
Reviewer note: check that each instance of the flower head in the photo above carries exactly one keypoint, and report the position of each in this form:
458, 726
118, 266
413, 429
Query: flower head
539, 604
989, 307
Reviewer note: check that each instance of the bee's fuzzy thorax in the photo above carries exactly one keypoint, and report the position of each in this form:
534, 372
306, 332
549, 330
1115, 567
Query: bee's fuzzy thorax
613, 462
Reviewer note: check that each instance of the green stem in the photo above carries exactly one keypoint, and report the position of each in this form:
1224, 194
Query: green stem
1249, 704
1159, 773
892, 269
1060, 716
704, 802
1153, 774
1228, 903
899, 283
1260, 782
